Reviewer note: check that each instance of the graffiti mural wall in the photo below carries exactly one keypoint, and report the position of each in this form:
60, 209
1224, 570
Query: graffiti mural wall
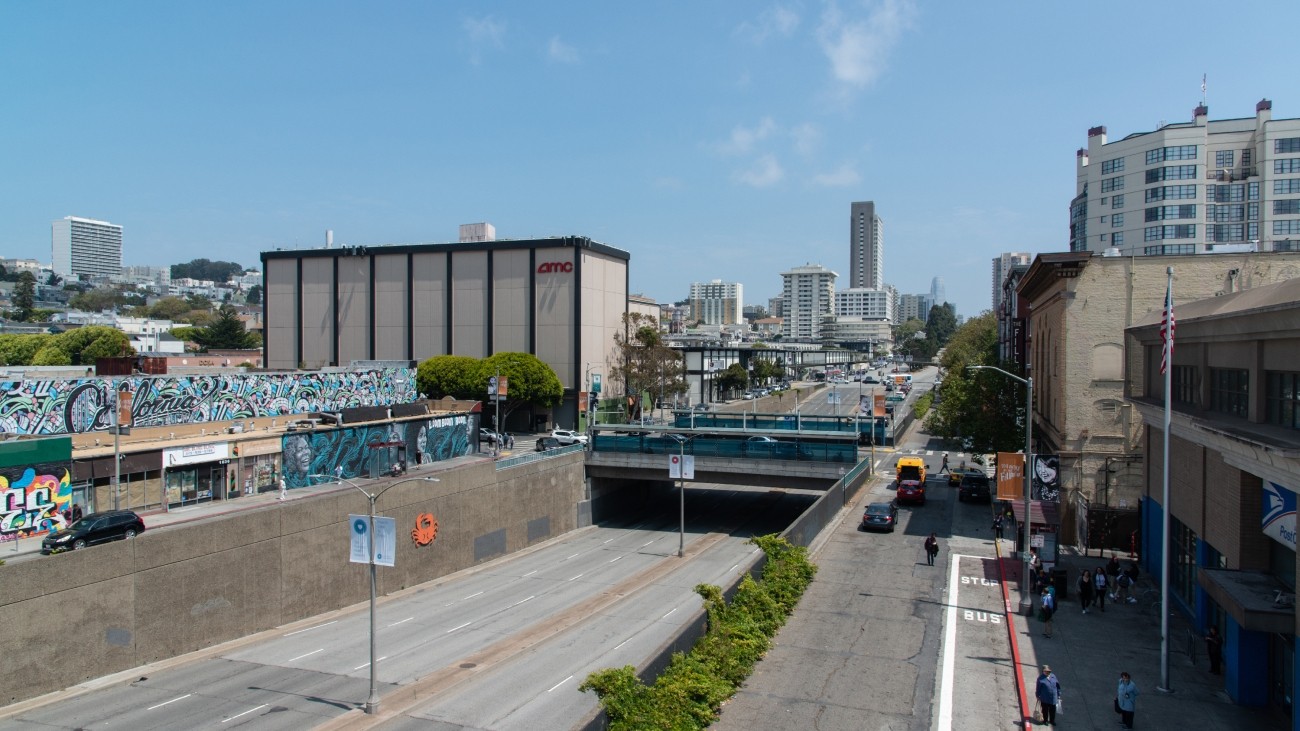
362, 449
71, 406
33, 502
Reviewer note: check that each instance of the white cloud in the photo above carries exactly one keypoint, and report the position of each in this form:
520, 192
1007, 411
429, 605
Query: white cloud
765, 171
807, 137
775, 21
562, 52
743, 139
845, 176
483, 33
858, 49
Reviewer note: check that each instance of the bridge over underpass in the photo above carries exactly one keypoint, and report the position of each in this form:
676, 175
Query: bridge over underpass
790, 458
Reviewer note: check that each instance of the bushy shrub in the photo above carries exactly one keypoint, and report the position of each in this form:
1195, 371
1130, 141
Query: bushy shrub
690, 692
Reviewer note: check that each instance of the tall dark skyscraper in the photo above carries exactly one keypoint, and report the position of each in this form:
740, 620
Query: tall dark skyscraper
866, 247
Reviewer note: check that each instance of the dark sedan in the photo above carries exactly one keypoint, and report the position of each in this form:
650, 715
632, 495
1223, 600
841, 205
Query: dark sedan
113, 525
975, 486
880, 516
545, 443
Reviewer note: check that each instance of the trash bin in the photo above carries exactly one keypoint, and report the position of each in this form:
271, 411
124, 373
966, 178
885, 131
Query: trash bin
1060, 579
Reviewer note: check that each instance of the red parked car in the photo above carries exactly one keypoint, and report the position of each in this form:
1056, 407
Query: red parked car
911, 491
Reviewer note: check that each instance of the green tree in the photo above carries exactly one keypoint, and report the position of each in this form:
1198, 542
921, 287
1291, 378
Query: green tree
733, 380
198, 302
449, 375
766, 369
216, 271
21, 349
984, 410
940, 325
24, 296
643, 364
96, 300
226, 332
530, 382
168, 308
254, 295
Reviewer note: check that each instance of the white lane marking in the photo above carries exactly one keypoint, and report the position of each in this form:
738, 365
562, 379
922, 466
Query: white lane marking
579, 576
624, 642
607, 541
298, 632
950, 644
245, 713
401, 621
574, 555
562, 682
530, 573
521, 601
616, 559
643, 545
453, 629
666, 615
313, 652
385, 657
733, 568
471, 596
160, 705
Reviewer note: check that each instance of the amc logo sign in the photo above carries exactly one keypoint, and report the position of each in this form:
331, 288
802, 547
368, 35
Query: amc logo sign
555, 267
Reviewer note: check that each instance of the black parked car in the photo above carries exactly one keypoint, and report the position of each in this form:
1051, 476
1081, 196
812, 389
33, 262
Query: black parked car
974, 486
545, 443
113, 525
880, 516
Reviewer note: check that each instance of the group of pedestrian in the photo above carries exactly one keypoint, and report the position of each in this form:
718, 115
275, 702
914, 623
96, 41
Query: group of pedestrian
1047, 691
72, 514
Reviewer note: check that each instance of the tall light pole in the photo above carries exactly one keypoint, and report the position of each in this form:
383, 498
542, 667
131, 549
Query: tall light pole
1026, 601
372, 703
681, 484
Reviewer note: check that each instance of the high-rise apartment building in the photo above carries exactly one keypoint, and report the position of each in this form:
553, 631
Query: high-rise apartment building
1193, 187
718, 302
913, 307
866, 247
1002, 266
776, 306
872, 304
808, 293
84, 246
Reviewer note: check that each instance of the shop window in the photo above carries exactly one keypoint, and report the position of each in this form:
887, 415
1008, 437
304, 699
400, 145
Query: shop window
1182, 566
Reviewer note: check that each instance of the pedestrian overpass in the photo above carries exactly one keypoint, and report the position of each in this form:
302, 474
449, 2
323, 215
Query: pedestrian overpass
764, 450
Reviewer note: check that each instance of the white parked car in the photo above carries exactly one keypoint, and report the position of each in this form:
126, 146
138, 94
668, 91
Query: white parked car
567, 436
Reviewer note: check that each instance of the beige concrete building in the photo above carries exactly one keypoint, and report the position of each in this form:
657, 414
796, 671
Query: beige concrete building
1079, 305
561, 299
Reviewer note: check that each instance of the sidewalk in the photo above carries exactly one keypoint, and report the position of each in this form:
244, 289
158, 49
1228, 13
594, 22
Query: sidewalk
1088, 652
27, 548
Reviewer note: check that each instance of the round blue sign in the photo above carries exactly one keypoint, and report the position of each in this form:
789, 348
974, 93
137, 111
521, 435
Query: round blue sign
359, 526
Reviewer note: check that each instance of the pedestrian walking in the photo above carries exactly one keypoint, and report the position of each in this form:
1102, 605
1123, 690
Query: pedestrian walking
997, 526
1046, 610
338, 473
284, 491
944, 468
1214, 649
931, 548
1086, 589
1112, 573
1128, 580
1100, 586
1048, 693
1126, 700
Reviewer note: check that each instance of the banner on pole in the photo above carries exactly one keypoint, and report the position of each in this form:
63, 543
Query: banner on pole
1011, 476
681, 467
385, 540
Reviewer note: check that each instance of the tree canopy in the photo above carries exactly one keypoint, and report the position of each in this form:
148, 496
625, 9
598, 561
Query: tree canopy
643, 364
227, 331
81, 346
24, 296
216, 271
984, 410
529, 380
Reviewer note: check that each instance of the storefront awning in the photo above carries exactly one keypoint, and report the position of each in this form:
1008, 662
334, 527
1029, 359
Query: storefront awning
1249, 597
1044, 514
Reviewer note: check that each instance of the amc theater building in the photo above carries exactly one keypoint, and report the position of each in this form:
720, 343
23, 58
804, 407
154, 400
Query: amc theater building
561, 299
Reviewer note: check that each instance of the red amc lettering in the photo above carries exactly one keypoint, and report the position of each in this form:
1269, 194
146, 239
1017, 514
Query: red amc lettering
555, 267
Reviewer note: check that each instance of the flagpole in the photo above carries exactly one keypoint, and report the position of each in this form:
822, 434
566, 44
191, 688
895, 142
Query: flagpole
1167, 360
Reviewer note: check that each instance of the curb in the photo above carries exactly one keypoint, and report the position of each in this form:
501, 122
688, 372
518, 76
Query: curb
1026, 721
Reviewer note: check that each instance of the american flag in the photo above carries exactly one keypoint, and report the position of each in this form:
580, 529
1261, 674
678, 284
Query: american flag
1167, 330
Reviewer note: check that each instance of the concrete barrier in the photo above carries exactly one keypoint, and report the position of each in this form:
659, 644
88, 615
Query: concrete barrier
85, 614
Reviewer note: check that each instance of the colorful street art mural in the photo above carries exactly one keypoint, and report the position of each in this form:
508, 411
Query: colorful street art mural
33, 503
363, 449
71, 406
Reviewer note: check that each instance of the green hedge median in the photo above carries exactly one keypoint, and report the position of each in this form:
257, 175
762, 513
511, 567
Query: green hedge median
690, 692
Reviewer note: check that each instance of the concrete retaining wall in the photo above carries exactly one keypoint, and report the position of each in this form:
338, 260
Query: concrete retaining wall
85, 614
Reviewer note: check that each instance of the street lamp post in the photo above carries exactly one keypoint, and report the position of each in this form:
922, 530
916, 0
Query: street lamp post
681, 484
372, 703
1026, 601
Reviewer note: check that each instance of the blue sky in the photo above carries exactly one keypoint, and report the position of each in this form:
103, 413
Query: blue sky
717, 140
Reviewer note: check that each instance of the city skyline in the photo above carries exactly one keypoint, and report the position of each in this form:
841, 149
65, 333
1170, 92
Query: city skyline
241, 128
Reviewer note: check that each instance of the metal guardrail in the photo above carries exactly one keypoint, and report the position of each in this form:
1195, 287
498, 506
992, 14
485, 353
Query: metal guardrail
529, 457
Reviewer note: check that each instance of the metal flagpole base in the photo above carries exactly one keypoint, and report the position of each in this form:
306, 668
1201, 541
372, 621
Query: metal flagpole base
1164, 690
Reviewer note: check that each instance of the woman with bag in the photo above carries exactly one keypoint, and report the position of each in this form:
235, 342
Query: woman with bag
1086, 588
1047, 608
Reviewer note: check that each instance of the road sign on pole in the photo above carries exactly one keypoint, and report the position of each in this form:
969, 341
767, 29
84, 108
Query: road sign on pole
385, 540
681, 467
595, 383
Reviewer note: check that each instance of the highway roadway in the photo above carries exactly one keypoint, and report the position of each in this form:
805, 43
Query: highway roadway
501, 646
